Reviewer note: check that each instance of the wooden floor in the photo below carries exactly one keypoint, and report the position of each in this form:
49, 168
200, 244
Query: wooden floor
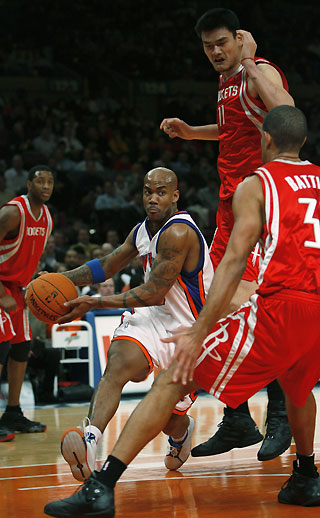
33, 472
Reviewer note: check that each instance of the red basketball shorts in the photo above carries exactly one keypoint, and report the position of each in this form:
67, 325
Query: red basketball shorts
221, 237
14, 327
267, 338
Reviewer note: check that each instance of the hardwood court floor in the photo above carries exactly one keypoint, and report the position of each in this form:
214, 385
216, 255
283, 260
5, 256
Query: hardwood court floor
32, 472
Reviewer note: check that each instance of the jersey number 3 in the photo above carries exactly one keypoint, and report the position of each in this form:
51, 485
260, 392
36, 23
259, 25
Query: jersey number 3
312, 203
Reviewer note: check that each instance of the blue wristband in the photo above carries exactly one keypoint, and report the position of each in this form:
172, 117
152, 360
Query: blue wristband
97, 271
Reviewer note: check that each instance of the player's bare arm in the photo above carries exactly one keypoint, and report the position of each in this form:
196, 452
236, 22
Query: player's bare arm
173, 247
9, 228
175, 127
111, 263
249, 218
264, 80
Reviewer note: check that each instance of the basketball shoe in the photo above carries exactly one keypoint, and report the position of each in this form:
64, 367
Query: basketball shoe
15, 421
178, 452
300, 490
236, 430
6, 435
278, 434
91, 499
79, 449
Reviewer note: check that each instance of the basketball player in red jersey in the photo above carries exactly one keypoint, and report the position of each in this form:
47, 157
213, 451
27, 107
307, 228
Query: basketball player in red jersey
248, 88
276, 334
25, 225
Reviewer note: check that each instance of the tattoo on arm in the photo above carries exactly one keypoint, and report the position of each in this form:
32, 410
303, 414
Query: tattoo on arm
81, 276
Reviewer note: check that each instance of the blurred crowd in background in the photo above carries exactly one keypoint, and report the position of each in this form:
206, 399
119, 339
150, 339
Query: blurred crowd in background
99, 140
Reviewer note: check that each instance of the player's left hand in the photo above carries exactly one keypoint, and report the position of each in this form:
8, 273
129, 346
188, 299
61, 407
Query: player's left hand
78, 307
249, 45
187, 349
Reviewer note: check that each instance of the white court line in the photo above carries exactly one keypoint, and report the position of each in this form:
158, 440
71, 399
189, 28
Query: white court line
144, 465
148, 455
164, 480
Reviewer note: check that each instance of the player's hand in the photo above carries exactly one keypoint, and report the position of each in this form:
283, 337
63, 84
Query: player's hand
43, 272
8, 303
187, 349
78, 307
176, 128
249, 45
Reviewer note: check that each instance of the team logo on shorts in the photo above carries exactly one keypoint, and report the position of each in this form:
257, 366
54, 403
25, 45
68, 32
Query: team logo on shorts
212, 341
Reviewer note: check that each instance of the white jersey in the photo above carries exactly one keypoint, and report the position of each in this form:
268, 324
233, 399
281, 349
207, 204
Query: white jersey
186, 297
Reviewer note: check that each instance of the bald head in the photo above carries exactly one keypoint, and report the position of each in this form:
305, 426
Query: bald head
164, 176
160, 195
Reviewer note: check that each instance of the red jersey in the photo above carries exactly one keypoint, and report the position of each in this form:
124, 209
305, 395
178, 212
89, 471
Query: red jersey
19, 257
292, 228
239, 118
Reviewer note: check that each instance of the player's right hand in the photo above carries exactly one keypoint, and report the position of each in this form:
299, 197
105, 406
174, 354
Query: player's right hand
176, 128
8, 303
78, 307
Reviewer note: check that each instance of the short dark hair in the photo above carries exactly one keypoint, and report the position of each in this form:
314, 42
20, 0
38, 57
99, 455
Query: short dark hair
40, 167
287, 126
217, 18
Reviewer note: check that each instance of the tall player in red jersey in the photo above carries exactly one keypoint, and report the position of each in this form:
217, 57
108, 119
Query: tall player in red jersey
248, 88
275, 334
25, 225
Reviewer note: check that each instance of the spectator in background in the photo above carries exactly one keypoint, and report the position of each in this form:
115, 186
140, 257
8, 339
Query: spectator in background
112, 237
73, 145
5, 193
84, 241
107, 248
16, 177
60, 245
45, 143
50, 254
109, 199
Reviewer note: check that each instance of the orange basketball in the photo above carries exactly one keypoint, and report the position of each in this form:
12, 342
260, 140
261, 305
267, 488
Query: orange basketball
47, 294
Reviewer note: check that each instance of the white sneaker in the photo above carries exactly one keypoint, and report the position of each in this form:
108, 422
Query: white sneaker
178, 452
80, 452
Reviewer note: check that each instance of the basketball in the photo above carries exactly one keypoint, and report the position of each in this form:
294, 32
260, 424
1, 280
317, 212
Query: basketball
47, 294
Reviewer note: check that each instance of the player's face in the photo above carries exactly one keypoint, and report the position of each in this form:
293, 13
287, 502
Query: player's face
159, 200
41, 187
222, 50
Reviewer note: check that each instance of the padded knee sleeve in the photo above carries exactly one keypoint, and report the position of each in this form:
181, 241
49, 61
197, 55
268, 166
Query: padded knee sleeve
4, 349
20, 352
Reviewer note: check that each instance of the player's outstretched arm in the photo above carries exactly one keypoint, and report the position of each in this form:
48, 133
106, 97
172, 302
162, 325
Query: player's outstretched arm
173, 247
175, 127
110, 264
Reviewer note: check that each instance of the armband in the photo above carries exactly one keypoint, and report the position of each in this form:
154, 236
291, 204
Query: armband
97, 271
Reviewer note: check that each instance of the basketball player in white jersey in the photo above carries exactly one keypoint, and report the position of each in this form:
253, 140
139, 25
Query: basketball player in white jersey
178, 273
276, 334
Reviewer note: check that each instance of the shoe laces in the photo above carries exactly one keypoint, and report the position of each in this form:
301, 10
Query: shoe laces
175, 447
89, 436
91, 489
272, 425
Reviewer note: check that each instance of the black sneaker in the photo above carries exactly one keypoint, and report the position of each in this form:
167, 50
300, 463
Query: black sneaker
91, 499
236, 430
300, 490
5, 434
278, 434
17, 422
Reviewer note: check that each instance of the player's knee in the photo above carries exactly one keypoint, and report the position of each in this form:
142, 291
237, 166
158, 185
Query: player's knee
4, 349
20, 352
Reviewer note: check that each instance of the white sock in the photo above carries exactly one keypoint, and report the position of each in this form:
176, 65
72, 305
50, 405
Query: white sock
93, 429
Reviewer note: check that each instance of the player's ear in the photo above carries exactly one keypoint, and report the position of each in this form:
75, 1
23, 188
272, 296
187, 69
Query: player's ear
176, 196
267, 139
